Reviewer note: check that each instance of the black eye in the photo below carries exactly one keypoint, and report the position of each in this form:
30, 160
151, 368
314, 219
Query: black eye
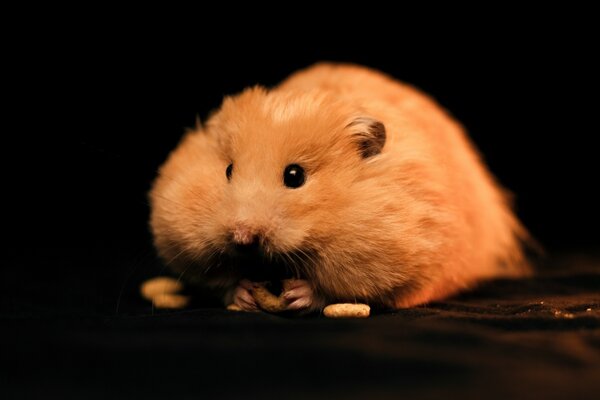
293, 176
228, 171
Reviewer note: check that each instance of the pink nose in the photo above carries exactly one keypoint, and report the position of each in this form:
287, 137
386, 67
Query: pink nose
244, 236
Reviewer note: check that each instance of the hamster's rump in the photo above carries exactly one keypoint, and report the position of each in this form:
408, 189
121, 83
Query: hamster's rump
396, 207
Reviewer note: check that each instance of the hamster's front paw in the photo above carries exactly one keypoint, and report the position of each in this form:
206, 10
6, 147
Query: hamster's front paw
242, 296
299, 294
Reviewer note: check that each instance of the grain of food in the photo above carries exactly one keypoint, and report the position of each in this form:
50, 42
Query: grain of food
234, 307
158, 286
267, 301
170, 300
347, 310
162, 292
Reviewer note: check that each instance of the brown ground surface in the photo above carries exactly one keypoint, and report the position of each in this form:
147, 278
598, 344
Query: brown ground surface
532, 338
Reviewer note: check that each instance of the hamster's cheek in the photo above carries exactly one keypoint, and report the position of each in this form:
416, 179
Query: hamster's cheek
287, 239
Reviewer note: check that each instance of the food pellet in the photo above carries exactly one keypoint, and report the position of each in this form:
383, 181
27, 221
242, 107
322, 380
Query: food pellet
267, 301
347, 310
158, 286
169, 300
234, 307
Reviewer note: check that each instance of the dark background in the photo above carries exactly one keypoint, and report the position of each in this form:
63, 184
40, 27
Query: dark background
100, 100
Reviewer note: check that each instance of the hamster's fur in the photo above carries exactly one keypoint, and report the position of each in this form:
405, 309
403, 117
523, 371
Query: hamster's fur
397, 208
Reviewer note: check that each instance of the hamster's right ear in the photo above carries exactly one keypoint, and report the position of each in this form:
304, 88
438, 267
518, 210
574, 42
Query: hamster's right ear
369, 135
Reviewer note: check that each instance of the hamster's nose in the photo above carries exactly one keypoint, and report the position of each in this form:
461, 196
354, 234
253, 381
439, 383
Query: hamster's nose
245, 240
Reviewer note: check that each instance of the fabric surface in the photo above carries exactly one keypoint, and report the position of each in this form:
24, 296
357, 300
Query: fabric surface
532, 338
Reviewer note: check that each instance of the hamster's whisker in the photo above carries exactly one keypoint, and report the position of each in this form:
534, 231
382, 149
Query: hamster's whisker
309, 257
215, 253
170, 261
184, 271
294, 265
284, 258
165, 265
300, 260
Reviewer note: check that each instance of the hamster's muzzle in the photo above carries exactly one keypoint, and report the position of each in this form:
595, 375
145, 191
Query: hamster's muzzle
244, 235
246, 241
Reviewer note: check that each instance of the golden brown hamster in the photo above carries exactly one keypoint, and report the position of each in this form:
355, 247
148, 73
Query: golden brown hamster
359, 186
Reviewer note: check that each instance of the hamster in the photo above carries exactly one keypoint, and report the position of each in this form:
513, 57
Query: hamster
360, 187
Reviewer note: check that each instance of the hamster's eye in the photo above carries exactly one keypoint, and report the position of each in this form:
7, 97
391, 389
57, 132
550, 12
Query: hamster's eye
293, 176
228, 171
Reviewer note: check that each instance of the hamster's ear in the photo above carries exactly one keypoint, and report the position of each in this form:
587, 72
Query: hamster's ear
369, 135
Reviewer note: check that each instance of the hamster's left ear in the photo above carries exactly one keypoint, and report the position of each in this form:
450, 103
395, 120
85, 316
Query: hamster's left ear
369, 136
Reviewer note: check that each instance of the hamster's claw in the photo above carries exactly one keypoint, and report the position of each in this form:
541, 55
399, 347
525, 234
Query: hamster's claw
242, 296
299, 294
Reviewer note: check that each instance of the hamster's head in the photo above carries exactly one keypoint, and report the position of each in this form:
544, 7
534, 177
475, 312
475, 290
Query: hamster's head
270, 186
